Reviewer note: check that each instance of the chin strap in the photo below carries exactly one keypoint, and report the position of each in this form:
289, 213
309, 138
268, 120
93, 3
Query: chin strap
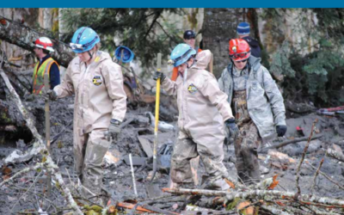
193, 63
91, 55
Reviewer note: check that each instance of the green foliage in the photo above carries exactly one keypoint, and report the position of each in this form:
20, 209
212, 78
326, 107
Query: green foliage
325, 73
319, 75
142, 30
232, 205
280, 61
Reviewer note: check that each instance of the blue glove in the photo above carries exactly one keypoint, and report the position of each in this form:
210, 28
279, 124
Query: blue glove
281, 130
114, 129
232, 128
158, 75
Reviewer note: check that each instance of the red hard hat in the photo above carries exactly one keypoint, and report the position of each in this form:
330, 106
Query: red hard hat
239, 49
44, 43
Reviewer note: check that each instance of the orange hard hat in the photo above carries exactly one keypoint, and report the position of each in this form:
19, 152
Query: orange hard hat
239, 49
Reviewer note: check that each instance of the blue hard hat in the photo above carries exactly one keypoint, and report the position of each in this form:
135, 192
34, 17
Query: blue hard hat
181, 54
84, 39
128, 55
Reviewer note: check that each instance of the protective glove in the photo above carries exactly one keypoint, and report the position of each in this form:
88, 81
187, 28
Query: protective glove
281, 130
232, 128
29, 96
114, 129
158, 75
50, 94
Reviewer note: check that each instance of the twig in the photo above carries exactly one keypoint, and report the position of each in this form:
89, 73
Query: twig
157, 15
181, 191
33, 183
302, 158
162, 28
271, 194
316, 174
147, 201
275, 194
70, 179
327, 177
289, 142
144, 208
276, 211
21, 172
158, 210
39, 146
34, 194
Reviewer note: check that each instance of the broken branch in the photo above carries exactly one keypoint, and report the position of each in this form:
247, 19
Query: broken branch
21, 172
285, 143
317, 173
303, 157
326, 176
39, 146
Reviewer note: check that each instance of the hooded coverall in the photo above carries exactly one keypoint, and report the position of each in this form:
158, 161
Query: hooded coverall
203, 108
175, 69
99, 97
258, 108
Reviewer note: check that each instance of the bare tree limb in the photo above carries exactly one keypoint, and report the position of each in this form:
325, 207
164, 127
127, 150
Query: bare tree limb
303, 157
285, 143
317, 173
21, 172
39, 146
157, 15
326, 176
261, 194
33, 183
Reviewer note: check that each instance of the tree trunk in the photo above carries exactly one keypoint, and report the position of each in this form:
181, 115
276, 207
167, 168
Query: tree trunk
23, 36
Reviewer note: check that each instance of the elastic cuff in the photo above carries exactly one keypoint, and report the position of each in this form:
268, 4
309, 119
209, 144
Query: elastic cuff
231, 120
115, 121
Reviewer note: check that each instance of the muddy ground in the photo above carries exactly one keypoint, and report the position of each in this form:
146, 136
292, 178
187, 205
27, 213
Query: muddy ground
117, 177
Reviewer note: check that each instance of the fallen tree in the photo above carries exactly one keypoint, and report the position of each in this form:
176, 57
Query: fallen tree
23, 36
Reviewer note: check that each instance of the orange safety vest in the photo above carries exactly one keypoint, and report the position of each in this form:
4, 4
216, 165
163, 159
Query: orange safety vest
175, 69
38, 75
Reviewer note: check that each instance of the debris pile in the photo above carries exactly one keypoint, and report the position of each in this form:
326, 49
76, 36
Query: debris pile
302, 173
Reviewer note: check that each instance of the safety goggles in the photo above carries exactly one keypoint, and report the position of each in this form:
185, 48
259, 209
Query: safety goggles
241, 61
239, 55
75, 46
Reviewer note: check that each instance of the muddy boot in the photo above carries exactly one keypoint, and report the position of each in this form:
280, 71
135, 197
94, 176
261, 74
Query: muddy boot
184, 186
254, 170
248, 165
93, 170
216, 183
242, 170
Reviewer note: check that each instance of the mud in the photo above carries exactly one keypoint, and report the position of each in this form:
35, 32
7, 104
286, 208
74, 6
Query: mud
117, 178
